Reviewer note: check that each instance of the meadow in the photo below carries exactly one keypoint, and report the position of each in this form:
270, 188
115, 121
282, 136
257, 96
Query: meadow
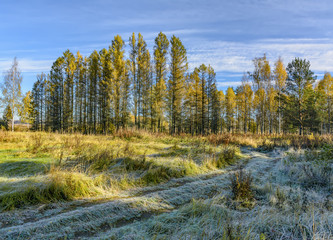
140, 185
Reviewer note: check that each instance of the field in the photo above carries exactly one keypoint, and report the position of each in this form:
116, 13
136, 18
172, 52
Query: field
139, 185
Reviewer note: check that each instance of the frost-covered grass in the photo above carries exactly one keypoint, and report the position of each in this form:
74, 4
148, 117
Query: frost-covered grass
63, 167
282, 208
137, 185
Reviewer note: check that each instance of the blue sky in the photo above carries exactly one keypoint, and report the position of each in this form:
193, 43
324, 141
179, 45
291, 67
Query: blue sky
225, 34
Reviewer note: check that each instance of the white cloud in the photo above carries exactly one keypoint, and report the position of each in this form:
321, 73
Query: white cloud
237, 56
224, 84
27, 65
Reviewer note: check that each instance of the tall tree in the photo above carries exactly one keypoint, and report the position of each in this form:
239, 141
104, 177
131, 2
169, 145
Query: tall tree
261, 77
204, 101
120, 81
216, 98
11, 89
94, 78
194, 101
299, 83
160, 59
56, 95
25, 110
105, 91
178, 68
325, 87
68, 101
80, 80
133, 73
38, 102
280, 76
211, 96
230, 102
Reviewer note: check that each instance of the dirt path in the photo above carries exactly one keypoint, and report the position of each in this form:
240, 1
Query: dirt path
101, 218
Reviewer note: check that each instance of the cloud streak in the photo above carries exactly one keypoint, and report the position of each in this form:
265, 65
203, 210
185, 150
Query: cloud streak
237, 56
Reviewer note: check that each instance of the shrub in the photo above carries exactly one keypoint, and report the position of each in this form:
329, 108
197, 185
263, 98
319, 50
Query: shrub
226, 157
241, 188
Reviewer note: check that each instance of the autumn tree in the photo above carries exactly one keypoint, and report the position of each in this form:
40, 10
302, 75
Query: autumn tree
133, 74
230, 108
261, 77
80, 79
178, 68
105, 91
244, 96
193, 100
160, 60
26, 108
121, 84
325, 87
11, 89
68, 100
280, 76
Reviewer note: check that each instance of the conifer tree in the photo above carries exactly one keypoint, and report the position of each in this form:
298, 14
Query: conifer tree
105, 91
92, 101
38, 102
203, 95
120, 81
80, 91
56, 91
230, 105
211, 90
298, 90
280, 76
325, 88
178, 68
68, 101
160, 59
25, 110
133, 72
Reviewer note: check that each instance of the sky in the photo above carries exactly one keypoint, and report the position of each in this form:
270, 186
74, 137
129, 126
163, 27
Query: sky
227, 34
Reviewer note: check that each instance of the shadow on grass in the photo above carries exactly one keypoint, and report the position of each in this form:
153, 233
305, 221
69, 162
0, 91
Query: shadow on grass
23, 168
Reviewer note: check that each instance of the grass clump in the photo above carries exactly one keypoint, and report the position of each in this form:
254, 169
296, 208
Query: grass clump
241, 189
61, 186
226, 157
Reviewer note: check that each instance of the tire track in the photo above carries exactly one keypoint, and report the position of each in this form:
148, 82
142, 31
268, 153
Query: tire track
100, 218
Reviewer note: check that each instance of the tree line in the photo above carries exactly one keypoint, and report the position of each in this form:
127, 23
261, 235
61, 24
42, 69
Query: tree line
108, 91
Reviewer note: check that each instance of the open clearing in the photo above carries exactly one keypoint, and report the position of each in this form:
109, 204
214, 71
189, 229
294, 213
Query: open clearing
175, 188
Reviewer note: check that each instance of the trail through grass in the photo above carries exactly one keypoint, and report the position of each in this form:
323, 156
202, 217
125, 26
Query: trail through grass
143, 186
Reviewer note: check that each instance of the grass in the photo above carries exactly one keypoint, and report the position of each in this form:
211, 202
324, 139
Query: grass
271, 196
145, 158
58, 186
284, 209
61, 167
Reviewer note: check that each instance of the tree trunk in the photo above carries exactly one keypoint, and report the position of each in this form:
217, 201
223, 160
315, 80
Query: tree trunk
13, 123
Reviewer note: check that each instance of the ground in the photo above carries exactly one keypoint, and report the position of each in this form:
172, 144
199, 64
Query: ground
144, 186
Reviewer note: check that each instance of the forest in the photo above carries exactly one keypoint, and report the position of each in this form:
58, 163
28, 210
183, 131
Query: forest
108, 91
137, 145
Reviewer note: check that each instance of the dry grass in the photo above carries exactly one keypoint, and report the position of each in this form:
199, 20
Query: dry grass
284, 197
81, 166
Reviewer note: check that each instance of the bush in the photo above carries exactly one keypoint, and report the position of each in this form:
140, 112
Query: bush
3, 125
226, 157
241, 188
